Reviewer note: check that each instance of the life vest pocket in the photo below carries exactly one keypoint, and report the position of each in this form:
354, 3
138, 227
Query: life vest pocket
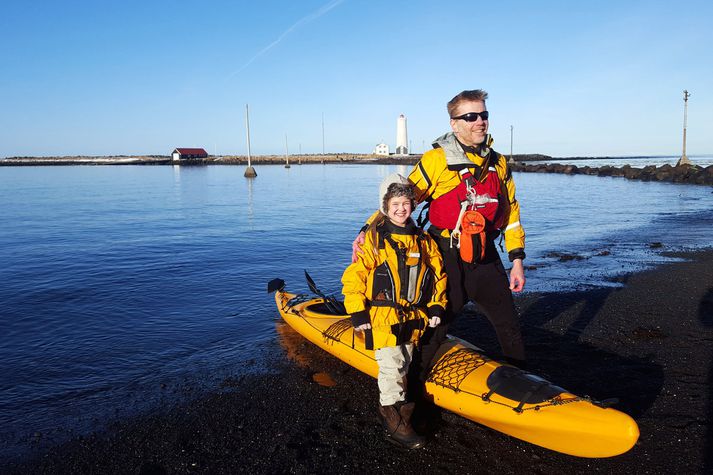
383, 289
472, 237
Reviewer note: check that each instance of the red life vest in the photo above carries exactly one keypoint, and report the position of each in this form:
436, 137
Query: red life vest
444, 210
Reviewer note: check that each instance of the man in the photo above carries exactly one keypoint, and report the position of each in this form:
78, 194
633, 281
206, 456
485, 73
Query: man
462, 173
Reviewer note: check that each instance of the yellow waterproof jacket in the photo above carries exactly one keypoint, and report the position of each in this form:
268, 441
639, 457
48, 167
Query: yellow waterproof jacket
395, 290
436, 173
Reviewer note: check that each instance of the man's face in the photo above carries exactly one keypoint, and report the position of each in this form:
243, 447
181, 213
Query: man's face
470, 133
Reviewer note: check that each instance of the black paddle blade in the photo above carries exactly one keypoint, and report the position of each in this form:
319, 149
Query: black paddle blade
275, 285
336, 307
312, 285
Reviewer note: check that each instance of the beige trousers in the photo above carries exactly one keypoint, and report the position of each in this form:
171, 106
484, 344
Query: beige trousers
393, 364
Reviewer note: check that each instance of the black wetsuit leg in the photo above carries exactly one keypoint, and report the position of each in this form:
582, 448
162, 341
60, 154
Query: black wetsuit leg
488, 286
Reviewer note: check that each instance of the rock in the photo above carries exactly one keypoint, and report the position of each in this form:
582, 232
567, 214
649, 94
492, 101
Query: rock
570, 169
564, 257
632, 173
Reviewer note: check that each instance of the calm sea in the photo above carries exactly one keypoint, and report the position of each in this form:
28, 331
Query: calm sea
121, 283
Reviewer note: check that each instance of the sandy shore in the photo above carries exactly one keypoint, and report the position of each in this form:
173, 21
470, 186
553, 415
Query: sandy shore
650, 344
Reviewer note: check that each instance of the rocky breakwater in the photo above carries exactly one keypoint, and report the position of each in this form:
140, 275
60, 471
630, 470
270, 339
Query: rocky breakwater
690, 174
86, 160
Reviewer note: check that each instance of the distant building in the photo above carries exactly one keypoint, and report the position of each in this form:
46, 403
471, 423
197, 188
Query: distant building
381, 149
401, 136
186, 153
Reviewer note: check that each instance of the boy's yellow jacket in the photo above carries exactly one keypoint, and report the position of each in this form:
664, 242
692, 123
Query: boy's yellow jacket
395, 294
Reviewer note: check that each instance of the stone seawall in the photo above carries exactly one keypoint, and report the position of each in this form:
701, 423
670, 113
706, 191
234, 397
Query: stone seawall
229, 159
691, 174
311, 159
211, 160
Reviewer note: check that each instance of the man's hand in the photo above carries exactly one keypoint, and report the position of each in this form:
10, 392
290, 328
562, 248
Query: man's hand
356, 246
362, 327
433, 322
517, 276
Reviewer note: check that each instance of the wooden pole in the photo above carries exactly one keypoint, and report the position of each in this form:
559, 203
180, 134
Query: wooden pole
249, 171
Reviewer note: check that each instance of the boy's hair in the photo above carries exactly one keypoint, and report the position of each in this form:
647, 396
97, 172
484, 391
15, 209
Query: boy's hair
473, 95
398, 190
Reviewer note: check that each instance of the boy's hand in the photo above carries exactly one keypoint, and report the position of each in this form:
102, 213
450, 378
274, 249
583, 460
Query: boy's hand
433, 322
356, 247
362, 327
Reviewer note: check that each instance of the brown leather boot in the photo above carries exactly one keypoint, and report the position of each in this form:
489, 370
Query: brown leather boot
396, 420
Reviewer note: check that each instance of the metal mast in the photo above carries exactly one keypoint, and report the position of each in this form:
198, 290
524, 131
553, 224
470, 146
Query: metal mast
322, 159
684, 159
511, 159
287, 154
249, 171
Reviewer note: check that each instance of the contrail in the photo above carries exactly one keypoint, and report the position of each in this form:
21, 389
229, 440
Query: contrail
312, 16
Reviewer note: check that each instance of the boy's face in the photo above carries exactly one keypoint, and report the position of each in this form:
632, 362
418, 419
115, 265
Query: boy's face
399, 210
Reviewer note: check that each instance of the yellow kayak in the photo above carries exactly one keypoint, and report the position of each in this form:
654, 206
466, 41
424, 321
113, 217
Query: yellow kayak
467, 382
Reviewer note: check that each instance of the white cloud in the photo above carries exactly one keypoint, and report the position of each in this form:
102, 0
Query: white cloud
302, 21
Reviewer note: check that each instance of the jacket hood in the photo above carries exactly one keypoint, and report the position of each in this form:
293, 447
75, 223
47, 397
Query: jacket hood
384, 187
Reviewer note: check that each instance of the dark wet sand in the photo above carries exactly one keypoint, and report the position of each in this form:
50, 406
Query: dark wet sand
650, 344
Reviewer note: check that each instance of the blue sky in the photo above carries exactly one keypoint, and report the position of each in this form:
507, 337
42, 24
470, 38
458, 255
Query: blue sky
572, 78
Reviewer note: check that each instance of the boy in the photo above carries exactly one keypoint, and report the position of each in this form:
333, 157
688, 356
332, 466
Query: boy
394, 289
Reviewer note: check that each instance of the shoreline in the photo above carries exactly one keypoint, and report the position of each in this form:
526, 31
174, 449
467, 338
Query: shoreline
649, 343
233, 159
688, 174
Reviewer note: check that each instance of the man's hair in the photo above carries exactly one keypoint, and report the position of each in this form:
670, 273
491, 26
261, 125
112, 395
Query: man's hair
474, 95
397, 190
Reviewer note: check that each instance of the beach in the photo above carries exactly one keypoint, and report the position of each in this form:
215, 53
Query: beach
648, 343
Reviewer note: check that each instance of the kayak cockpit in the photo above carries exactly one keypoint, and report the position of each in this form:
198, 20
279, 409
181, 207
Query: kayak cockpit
325, 308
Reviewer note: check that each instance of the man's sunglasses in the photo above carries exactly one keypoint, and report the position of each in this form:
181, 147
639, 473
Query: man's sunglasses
472, 116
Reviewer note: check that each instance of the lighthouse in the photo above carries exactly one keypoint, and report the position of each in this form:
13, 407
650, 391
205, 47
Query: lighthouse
401, 136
